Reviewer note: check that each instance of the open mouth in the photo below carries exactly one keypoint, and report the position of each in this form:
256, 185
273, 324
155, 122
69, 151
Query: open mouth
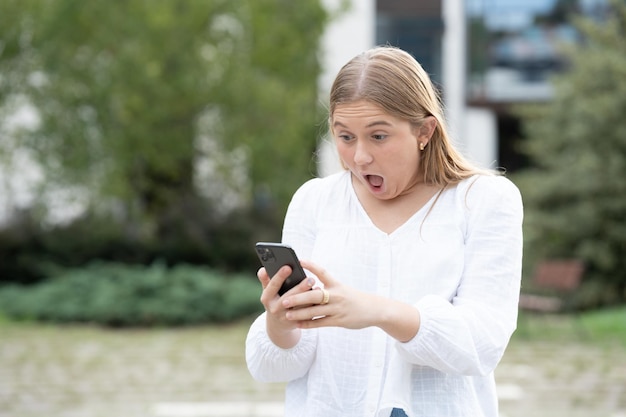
375, 181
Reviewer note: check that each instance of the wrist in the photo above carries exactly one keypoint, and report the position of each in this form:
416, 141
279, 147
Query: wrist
284, 338
400, 320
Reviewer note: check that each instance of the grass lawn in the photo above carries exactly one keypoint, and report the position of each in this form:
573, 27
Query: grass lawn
596, 327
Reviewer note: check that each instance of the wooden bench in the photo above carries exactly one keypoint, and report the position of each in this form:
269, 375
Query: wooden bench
552, 282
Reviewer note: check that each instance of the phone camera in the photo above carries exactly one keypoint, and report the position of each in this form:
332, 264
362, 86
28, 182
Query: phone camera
265, 254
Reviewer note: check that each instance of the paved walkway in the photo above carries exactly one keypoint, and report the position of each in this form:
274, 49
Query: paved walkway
219, 409
86, 372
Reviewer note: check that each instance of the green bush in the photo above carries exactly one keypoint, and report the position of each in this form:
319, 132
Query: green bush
193, 237
115, 294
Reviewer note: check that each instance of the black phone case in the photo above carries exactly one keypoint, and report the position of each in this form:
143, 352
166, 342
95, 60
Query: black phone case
273, 256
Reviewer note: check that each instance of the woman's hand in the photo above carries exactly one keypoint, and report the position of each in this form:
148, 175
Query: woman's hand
283, 332
348, 307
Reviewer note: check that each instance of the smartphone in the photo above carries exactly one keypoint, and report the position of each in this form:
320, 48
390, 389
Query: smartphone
273, 256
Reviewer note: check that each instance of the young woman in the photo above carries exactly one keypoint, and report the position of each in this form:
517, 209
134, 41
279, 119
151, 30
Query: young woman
416, 256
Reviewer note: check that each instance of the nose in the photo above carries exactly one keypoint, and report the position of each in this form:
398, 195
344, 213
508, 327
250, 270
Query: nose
362, 154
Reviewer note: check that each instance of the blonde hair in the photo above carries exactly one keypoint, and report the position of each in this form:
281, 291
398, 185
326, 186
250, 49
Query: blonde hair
393, 80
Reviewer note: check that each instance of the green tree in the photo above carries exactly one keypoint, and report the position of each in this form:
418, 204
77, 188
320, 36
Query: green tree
133, 96
575, 195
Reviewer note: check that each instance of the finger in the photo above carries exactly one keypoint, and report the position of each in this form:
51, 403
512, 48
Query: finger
319, 272
277, 280
263, 277
304, 286
305, 316
317, 322
301, 295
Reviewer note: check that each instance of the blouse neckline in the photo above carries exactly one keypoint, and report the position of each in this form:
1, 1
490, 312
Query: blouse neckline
420, 213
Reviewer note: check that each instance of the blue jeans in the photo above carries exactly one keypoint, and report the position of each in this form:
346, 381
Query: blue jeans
396, 412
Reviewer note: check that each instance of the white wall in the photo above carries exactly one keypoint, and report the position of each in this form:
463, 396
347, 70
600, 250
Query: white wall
480, 135
454, 66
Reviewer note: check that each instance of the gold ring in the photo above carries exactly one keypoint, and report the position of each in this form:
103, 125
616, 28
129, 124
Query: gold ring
325, 296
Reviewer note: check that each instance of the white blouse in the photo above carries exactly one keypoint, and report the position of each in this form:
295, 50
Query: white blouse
457, 260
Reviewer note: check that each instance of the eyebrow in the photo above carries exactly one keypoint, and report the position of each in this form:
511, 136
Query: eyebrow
372, 124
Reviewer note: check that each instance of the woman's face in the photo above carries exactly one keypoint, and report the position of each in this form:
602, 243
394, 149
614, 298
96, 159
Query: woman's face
381, 151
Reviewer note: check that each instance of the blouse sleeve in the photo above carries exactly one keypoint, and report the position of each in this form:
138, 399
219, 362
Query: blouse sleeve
469, 335
270, 363
266, 361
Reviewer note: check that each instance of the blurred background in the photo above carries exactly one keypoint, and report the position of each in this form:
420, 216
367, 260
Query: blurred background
145, 147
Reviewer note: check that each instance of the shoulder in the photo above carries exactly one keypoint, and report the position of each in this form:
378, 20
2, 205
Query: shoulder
481, 187
490, 195
317, 188
314, 198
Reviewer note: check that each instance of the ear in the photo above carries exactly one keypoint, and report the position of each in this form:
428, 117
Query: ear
426, 130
